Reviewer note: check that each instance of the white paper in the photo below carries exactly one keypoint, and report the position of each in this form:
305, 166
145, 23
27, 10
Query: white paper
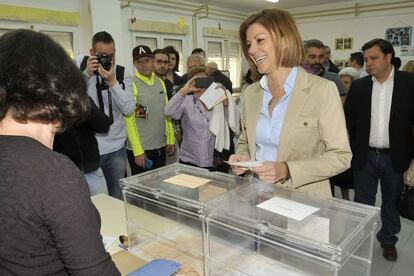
287, 208
245, 164
108, 241
212, 96
313, 227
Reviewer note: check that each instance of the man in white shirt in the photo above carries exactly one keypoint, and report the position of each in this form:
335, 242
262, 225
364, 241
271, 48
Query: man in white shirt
110, 87
379, 112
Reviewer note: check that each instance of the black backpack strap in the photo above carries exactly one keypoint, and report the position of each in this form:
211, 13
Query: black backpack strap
119, 72
83, 63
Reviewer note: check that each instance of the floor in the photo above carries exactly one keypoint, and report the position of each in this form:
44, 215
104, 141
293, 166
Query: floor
404, 266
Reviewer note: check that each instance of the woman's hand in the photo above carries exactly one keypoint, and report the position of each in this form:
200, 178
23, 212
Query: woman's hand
189, 87
272, 172
237, 170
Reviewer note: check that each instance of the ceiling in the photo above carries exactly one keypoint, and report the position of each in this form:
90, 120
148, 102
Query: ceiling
250, 6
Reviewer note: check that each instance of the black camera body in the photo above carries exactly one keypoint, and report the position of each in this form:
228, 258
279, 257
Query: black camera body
105, 60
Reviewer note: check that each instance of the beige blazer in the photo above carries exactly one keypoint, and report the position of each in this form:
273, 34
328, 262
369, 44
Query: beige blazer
313, 139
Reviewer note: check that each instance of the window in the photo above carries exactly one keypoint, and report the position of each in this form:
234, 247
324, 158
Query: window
65, 39
65, 36
147, 41
227, 55
215, 53
234, 63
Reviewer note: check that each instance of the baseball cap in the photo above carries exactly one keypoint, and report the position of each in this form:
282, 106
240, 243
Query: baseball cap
141, 51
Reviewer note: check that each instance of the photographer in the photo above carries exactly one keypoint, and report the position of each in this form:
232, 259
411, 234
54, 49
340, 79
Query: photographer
110, 88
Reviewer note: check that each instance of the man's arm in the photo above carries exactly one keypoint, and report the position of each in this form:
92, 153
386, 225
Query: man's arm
124, 100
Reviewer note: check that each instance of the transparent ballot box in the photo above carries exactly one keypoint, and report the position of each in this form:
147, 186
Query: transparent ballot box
261, 229
165, 212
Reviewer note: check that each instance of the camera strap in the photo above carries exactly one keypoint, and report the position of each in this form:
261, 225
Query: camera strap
100, 86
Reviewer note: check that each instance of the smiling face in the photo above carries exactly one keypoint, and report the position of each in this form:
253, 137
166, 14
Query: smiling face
145, 65
173, 61
261, 48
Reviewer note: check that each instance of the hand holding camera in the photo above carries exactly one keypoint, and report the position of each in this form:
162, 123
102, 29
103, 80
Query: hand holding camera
102, 64
196, 84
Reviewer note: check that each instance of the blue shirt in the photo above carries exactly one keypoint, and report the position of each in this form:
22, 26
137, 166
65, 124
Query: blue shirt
268, 128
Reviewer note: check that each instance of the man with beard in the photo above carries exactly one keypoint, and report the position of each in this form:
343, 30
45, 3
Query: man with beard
315, 57
161, 60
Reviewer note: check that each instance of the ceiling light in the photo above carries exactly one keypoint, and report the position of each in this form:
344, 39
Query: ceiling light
273, 1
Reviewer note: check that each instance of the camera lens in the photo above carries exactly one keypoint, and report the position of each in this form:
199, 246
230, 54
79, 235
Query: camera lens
105, 60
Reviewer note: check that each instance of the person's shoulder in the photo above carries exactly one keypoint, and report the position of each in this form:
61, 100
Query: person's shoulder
362, 81
253, 89
405, 75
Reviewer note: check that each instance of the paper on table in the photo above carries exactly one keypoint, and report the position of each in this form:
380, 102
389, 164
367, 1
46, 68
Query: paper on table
208, 192
288, 208
108, 241
212, 96
186, 180
309, 226
246, 164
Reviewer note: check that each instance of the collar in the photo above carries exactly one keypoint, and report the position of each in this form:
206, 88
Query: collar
145, 79
322, 72
288, 85
390, 77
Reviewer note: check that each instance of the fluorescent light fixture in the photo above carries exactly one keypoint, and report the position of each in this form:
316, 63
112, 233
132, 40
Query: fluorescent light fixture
273, 1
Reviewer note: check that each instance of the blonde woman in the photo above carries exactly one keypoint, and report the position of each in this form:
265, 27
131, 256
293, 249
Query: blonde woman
292, 121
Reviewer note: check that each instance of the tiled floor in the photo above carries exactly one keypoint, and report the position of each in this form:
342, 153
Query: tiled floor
404, 266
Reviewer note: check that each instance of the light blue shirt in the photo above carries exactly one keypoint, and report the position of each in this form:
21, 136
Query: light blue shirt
268, 128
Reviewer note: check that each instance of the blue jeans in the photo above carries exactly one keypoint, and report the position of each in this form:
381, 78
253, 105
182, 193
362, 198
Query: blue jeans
114, 167
379, 167
97, 183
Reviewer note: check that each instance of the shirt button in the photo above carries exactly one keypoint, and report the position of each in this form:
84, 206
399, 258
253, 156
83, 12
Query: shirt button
305, 123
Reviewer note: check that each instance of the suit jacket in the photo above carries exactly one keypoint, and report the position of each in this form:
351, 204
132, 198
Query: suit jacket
358, 119
313, 138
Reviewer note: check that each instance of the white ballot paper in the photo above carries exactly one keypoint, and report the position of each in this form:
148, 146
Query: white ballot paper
287, 208
213, 96
108, 241
313, 227
245, 164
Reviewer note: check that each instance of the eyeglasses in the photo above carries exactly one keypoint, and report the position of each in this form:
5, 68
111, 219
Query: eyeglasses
159, 61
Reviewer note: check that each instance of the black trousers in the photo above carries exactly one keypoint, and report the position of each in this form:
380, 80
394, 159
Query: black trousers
157, 156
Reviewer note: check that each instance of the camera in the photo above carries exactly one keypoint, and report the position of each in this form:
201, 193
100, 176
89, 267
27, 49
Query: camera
105, 60
203, 82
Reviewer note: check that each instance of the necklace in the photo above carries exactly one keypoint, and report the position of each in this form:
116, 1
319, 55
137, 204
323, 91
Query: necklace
274, 100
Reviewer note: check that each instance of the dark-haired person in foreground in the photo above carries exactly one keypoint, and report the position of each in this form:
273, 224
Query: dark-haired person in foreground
379, 112
48, 224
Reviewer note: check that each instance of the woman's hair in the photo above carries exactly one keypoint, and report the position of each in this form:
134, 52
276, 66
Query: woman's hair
349, 71
196, 71
171, 50
39, 82
285, 36
409, 66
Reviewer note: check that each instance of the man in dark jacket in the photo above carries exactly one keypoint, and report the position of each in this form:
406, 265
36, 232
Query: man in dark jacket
219, 77
80, 145
379, 116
